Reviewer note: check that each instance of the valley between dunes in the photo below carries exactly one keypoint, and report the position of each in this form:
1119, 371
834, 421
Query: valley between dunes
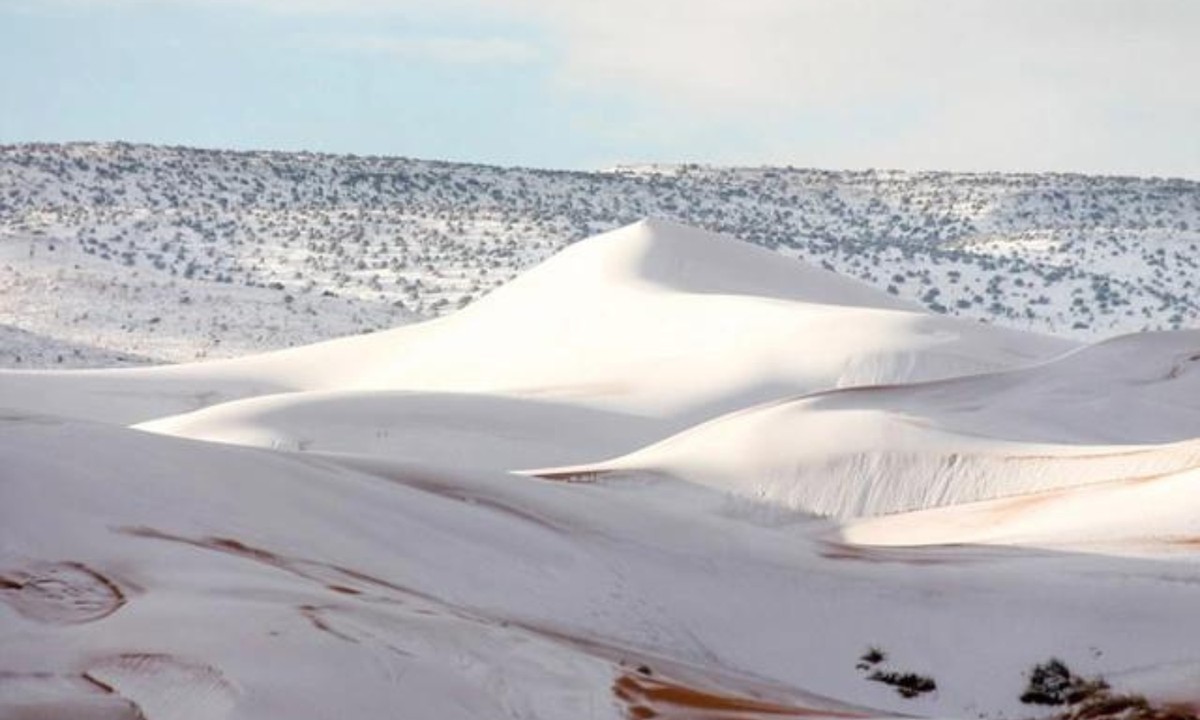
662, 474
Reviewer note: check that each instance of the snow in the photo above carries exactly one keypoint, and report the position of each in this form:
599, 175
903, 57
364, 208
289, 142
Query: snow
1124, 408
611, 324
167, 254
659, 448
1148, 516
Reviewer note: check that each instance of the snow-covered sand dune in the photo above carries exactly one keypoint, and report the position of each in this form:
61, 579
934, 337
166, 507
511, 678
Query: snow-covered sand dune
357, 545
857, 463
654, 319
1118, 410
467, 429
265, 584
640, 333
1142, 388
1153, 515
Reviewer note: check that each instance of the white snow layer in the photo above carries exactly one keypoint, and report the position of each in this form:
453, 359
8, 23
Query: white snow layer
357, 542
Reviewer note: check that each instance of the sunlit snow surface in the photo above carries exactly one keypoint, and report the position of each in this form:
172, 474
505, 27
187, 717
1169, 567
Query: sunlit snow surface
112, 253
663, 474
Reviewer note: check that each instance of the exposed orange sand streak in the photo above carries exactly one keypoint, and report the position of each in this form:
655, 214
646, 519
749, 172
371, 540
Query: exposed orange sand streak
655, 697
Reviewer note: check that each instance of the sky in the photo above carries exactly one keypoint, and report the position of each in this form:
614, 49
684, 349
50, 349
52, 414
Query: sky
1095, 86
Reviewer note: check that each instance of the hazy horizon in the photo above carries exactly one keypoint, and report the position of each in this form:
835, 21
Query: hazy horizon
1061, 86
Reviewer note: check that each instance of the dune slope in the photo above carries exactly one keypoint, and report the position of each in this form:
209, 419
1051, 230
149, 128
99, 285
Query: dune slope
337, 531
1121, 409
654, 319
147, 576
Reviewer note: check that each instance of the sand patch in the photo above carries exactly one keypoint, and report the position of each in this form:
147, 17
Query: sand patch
647, 696
60, 593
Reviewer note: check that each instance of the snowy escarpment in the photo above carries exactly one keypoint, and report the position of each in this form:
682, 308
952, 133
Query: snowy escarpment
176, 254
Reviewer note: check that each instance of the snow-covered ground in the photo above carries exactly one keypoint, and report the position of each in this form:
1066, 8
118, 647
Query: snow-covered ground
662, 474
176, 254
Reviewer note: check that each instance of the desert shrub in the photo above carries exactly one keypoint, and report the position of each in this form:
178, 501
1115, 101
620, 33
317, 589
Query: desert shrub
908, 684
873, 656
1053, 683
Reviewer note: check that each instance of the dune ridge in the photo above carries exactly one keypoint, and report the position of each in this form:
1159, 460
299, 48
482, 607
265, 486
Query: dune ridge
779, 472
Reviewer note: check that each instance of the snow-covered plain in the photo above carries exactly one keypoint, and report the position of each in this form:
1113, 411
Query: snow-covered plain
662, 474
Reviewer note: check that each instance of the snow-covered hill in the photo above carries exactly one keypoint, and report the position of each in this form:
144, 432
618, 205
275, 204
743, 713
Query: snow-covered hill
654, 319
1123, 409
116, 252
655, 325
826, 502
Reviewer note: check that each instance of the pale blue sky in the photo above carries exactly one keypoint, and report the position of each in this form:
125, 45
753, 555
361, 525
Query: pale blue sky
1074, 85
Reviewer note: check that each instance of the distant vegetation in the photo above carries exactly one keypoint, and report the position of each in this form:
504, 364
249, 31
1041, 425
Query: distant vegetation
384, 240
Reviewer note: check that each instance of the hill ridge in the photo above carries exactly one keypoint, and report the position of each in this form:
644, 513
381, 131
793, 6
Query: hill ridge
174, 254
